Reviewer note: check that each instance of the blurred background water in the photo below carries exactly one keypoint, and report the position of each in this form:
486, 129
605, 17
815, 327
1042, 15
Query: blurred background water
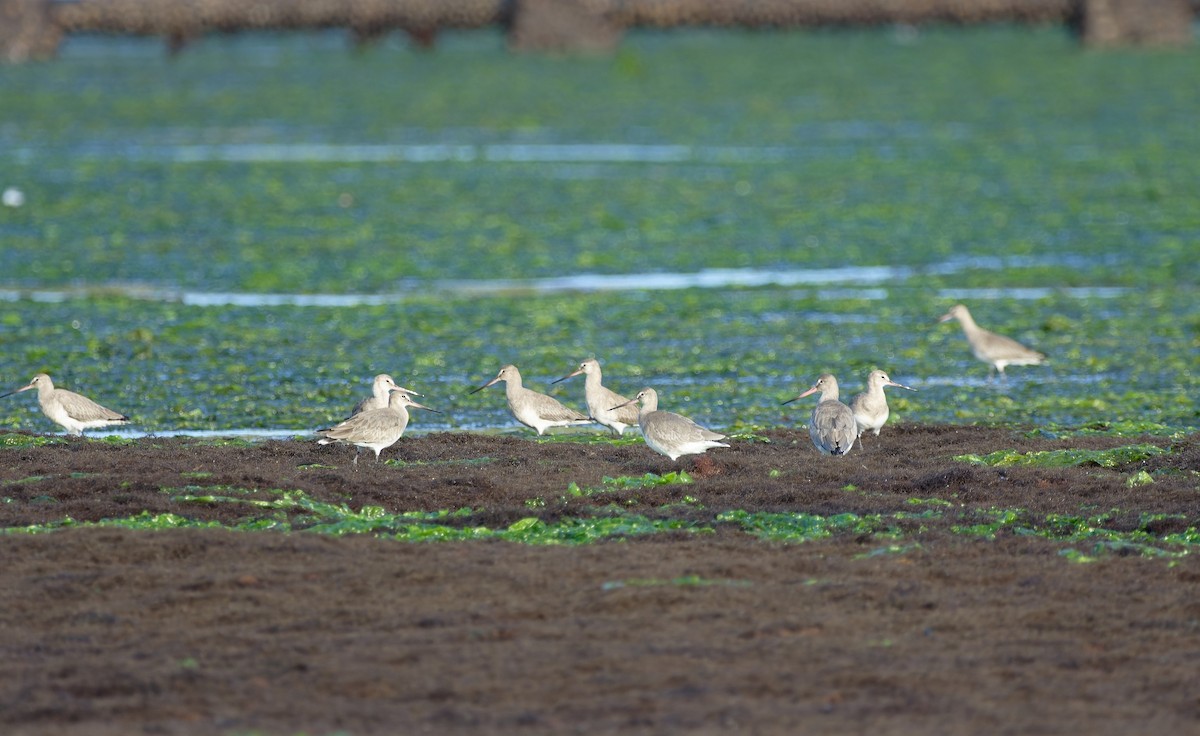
241, 236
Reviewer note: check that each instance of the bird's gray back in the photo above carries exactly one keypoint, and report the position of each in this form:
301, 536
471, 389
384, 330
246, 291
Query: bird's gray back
833, 427
82, 409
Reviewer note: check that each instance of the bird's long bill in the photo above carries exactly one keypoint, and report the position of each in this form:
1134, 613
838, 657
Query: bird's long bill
809, 392
627, 403
408, 391
415, 405
492, 382
17, 391
899, 385
569, 375
946, 317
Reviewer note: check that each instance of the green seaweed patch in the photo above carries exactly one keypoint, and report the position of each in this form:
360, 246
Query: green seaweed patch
189, 491
469, 461
1071, 528
141, 521
1140, 478
749, 436
1115, 457
323, 517
605, 524
12, 439
413, 526
891, 549
802, 527
26, 480
685, 581
223, 442
929, 502
591, 438
113, 439
197, 474
1124, 428
625, 482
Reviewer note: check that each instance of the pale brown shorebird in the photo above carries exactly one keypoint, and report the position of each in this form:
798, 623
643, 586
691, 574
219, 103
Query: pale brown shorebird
671, 434
68, 409
870, 408
377, 429
832, 426
531, 408
997, 351
601, 400
380, 388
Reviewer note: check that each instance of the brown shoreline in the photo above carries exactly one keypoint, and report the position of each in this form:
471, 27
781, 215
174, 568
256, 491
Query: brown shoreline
208, 631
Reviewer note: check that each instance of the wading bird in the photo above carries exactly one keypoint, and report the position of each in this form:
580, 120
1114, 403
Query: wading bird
870, 408
539, 411
832, 426
600, 400
997, 351
671, 434
377, 429
68, 409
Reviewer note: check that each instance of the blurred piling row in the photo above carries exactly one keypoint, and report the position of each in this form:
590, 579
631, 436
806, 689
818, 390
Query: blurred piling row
33, 29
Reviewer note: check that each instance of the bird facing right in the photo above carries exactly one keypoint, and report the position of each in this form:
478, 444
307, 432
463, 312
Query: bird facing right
870, 408
377, 429
671, 434
381, 387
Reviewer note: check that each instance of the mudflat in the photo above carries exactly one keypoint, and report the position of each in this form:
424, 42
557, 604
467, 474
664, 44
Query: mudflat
927, 615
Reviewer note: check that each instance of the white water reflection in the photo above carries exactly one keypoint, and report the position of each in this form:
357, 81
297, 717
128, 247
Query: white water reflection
543, 153
1077, 292
866, 284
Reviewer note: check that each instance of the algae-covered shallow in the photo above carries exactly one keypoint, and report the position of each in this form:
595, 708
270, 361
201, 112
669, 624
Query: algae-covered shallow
240, 237
725, 357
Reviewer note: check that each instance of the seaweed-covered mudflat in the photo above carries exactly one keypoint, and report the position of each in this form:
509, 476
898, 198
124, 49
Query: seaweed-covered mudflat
950, 578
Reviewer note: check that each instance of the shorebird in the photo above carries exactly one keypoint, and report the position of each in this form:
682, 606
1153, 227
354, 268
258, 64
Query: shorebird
870, 408
997, 351
600, 400
530, 408
68, 409
380, 388
377, 429
832, 426
671, 434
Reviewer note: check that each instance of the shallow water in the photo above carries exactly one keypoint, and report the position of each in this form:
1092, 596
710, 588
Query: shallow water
237, 239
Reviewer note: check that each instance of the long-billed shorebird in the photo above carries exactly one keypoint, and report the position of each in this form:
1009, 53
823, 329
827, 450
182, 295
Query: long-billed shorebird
671, 434
68, 409
531, 408
601, 400
832, 426
870, 408
997, 351
380, 388
377, 429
